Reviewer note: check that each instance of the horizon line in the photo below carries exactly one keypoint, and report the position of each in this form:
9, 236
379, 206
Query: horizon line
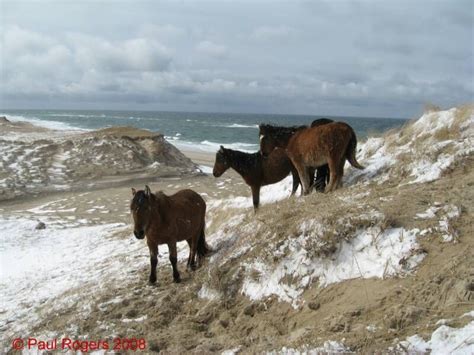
201, 112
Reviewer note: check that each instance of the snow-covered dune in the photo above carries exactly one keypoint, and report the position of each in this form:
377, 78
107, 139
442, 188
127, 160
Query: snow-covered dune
269, 269
36, 160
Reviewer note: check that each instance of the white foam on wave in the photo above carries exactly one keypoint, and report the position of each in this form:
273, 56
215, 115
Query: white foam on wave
211, 147
237, 125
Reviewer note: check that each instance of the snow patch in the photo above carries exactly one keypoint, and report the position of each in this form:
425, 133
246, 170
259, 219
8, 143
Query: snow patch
208, 293
205, 169
268, 194
424, 157
444, 340
329, 347
445, 214
371, 253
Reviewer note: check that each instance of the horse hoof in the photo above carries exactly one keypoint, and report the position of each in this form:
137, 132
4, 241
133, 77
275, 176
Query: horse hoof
177, 280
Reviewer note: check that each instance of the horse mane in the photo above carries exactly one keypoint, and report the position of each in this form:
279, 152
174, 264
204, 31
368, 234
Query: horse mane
279, 131
241, 161
161, 199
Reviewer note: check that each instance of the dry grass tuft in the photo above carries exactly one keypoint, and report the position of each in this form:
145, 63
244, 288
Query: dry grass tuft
430, 107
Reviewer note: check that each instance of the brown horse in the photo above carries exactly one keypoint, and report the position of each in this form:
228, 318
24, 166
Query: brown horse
168, 220
330, 143
322, 172
255, 169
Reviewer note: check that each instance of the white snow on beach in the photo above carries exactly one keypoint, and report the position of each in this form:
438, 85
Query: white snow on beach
371, 253
268, 194
444, 340
42, 266
39, 265
433, 143
328, 347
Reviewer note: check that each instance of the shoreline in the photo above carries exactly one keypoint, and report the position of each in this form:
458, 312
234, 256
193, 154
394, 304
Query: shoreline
198, 157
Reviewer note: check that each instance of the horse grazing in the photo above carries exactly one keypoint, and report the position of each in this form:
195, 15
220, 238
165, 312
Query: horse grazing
330, 143
168, 220
255, 169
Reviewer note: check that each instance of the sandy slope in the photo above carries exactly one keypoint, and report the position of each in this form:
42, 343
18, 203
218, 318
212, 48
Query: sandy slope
384, 263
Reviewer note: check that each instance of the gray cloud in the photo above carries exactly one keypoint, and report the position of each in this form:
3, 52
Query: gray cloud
212, 49
321, 57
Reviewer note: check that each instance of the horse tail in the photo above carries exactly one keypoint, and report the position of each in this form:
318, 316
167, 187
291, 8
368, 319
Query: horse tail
351, 151
202, 248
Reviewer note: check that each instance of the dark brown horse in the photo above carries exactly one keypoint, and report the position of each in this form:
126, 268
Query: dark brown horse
168, 220
256, 170
330, 143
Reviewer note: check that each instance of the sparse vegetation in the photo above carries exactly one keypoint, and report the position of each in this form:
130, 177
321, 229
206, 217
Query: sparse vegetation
288, 242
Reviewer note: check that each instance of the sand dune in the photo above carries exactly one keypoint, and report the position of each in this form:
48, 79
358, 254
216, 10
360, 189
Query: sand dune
383, 264
36, 160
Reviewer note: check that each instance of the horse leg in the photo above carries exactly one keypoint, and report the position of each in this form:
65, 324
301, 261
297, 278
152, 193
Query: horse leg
333, 175
192, 252
296, 181
304, 178
321, 177
255, 196
174, 261
190, 243
340, 172
153, 261
311, 172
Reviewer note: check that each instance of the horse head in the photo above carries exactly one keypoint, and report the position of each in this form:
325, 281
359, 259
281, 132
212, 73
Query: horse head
221, 164
272, 137
267, 139
140, 208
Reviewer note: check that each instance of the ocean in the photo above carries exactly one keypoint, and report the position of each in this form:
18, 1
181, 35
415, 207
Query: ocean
191, 130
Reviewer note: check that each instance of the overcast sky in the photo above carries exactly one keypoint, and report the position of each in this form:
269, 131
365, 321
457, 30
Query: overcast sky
338, 57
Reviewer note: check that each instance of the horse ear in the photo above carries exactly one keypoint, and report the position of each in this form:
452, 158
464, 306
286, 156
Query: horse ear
147, 191
134, 191
222, 149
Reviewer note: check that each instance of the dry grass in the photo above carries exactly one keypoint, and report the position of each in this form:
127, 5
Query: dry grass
430, 107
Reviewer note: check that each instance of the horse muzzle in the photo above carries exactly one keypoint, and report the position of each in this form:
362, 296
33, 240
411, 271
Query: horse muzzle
139, 234
216, 173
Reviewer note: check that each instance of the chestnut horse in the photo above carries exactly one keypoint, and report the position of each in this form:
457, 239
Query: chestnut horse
255, 169
168, 220
322, 172
330, 143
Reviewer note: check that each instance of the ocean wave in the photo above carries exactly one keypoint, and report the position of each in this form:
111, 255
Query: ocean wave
237, 125
212, 147
76, 115
54, 125
173, 138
